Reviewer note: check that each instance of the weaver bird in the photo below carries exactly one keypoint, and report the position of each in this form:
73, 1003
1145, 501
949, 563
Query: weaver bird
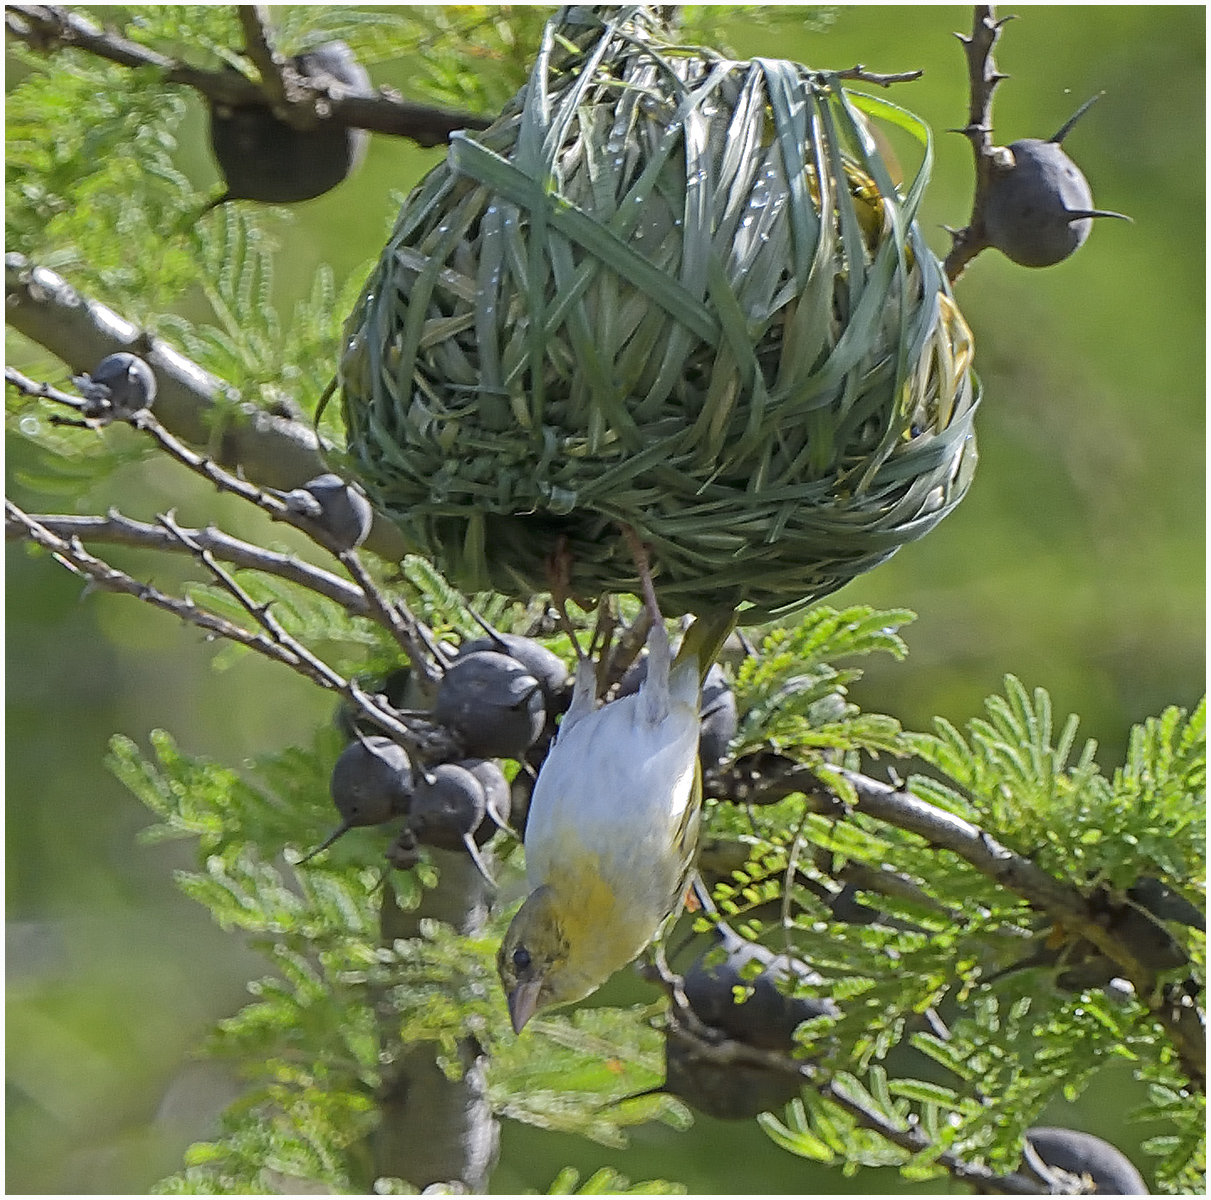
612, 827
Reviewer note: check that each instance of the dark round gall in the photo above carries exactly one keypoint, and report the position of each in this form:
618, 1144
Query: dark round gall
448, 804
727, 1092
493, 702
1112, 1172
545, 665
719, 718
1039, 206
768, 1017
371, 782
265, 159
498, 797
340, 510
119, 386
1036, 211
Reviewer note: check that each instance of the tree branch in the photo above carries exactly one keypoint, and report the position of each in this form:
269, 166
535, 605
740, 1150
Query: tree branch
1139, 948
1126, 945
983, 78
425, 738
414, 639
191, 403
117, 529
705, 1042
47, 27
460, 1135
862, 75
253, 19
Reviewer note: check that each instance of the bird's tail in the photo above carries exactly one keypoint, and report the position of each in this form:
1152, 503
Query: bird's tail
705, 637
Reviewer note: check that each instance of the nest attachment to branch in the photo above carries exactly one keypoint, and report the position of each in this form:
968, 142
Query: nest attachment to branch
672, 291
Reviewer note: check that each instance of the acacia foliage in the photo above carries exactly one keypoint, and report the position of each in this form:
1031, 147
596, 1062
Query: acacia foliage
93, 201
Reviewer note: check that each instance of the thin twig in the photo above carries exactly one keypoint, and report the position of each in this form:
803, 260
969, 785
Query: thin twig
103, 576
765, 777
46, 28
626, 649
41, 390
1065, 904
426, 738
253, 20
261, 613
117, 529
223, 480
412, 634
862, 75
414, 639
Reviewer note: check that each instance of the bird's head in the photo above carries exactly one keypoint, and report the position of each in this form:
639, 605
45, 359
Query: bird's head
535, 960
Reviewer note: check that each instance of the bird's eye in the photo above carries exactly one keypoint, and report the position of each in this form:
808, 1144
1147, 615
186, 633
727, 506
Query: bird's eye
521, 958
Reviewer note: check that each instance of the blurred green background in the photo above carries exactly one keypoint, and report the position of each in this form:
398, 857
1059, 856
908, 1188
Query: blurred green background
1076, 562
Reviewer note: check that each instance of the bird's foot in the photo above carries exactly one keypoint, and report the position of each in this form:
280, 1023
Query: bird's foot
639, 552
559, 580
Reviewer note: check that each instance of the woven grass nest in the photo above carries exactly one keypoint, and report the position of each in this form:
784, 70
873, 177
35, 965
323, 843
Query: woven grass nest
668, 290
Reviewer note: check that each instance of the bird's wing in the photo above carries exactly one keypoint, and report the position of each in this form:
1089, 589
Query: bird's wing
686, 833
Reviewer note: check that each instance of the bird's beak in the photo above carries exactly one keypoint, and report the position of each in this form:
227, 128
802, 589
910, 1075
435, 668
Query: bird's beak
523, 1003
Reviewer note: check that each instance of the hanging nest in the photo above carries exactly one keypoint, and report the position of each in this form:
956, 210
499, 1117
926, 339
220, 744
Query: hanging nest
668, 290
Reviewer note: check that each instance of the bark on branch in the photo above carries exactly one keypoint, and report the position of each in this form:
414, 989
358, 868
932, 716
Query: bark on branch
47, 27
196, 406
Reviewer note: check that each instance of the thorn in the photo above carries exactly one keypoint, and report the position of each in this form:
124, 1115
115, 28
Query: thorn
332, 837
480, 865
493, 633
1079, 214
1065, 129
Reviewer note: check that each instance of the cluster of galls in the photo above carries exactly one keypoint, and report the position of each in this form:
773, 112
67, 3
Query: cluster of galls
739, 996
738, 992
501, 696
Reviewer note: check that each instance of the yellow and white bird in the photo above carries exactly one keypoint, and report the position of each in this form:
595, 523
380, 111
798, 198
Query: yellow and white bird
610, 836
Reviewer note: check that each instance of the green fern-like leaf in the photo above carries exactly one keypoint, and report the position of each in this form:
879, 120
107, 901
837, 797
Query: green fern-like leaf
575, 1073
791, 694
